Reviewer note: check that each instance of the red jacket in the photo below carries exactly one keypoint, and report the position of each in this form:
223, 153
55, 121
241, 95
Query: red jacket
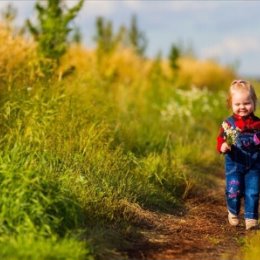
249, 123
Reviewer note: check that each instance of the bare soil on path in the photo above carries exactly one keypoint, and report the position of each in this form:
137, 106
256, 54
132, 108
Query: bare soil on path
201, 232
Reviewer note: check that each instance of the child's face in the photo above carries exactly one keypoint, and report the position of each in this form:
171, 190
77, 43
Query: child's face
242, 103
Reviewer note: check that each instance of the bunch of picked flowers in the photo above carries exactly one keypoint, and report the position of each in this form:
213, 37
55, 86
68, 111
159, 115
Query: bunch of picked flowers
231, 133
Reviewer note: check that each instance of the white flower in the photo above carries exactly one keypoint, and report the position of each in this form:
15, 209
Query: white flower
231, 133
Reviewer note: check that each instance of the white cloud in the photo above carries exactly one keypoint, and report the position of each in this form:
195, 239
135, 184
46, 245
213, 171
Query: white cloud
98, 8
233, 46
133, 5
182, 6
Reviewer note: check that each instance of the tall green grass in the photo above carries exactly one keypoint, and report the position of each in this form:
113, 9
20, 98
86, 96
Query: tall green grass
37, 213
72, 164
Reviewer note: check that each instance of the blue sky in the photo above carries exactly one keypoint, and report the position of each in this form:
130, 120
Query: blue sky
223, 30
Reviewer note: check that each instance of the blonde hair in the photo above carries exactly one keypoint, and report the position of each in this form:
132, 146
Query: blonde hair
241, 85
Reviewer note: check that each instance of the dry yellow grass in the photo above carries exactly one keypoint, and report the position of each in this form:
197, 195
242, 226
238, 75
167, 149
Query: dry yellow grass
17, 57
126, 67
205, 73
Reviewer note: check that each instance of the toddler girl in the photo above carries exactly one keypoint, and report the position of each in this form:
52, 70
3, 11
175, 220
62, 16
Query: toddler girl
239, 140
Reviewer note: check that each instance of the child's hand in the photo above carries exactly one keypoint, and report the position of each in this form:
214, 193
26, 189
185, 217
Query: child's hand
225, 148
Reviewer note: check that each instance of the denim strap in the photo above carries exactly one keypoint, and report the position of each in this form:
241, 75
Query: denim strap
231, 121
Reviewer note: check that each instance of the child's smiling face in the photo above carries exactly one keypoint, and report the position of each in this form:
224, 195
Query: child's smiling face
242, 103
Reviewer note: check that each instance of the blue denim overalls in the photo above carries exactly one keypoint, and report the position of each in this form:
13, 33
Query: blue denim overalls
242, 166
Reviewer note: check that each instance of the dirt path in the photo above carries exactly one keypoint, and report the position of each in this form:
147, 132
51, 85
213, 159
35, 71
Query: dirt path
201, 233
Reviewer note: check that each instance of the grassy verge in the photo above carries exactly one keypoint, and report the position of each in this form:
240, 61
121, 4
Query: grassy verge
76, 164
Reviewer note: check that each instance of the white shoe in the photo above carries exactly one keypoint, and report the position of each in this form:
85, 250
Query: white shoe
233, 219
251, 224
